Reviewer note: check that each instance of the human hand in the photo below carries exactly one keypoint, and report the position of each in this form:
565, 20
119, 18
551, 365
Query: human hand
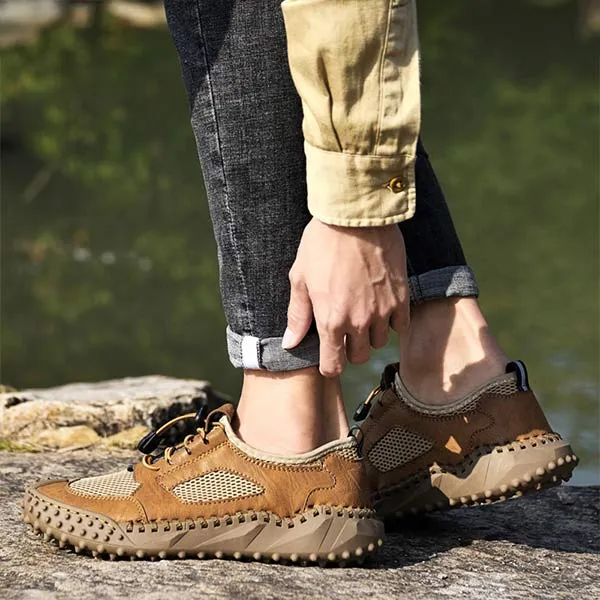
353, 280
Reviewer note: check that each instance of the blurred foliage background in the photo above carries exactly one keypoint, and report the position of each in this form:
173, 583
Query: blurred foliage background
108, 262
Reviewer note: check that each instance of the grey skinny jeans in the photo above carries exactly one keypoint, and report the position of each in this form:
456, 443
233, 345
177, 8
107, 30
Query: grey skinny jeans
246, 117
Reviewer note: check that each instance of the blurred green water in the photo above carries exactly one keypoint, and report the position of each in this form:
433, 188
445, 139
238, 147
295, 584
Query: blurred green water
108, 260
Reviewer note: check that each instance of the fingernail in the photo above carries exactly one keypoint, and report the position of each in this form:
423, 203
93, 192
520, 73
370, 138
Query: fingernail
288, 339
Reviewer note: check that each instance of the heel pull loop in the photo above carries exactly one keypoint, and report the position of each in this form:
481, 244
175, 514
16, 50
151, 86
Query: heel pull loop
518, 368
357, 434
389, 376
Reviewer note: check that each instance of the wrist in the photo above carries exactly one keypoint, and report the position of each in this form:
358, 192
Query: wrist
371, 229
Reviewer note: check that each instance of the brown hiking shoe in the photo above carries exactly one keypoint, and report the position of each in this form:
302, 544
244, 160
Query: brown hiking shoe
491, 445
214, 496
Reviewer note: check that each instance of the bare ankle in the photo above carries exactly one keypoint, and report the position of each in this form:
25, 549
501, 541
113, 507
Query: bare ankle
290, 412
448, 350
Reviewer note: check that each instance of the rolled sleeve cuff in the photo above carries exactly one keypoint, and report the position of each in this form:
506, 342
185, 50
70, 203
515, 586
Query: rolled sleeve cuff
358, 190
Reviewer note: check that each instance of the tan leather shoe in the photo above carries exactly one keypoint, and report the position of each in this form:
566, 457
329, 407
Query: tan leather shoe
214, 496
491, 445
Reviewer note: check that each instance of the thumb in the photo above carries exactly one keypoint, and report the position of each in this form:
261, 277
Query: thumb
300, 317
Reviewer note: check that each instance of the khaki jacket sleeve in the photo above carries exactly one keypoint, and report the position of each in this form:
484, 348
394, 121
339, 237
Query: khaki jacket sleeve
355, 64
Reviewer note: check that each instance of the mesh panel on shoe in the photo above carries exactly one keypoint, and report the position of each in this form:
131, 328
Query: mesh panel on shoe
396, 447
121, 483
215, 486
350, 453
503, 388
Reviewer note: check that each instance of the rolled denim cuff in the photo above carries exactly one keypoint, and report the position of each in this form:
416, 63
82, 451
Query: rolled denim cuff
448, 282
249, 352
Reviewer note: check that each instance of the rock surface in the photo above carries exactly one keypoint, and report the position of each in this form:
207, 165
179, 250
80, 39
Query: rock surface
539, 547
81, 414
21, 20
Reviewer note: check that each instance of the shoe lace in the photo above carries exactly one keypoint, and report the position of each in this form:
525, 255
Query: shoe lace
386, 382
150, 442
365, 406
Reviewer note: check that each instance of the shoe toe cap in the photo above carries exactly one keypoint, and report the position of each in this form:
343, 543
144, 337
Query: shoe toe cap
56, 498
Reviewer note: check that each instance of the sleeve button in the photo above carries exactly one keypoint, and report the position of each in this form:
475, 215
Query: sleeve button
396, 185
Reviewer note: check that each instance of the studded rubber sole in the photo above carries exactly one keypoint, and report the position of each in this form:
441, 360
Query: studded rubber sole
490, 474
322, 535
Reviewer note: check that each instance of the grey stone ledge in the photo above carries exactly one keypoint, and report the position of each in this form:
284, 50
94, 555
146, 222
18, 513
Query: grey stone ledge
538, 547
80, 414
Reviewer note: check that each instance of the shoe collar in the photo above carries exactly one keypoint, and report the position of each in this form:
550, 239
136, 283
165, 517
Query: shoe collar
349, 443
463, 404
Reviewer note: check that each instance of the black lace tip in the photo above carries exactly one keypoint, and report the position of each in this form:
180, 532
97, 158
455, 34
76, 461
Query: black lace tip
148, 443
362, 411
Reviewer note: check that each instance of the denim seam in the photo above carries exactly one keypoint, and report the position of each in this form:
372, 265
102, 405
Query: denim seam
230, 224
415, 280
259, 351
